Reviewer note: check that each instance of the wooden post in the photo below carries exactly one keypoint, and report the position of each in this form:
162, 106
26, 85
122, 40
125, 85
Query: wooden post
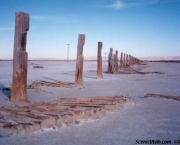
121, 61
130, 60
110, 61
127, 63
20, 57
116, 66
99, 61
79, 60
124, 59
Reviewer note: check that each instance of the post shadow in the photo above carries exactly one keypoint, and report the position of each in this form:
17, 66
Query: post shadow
7, 93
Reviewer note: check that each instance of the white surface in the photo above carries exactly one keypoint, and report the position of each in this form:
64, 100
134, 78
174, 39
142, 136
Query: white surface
146, 118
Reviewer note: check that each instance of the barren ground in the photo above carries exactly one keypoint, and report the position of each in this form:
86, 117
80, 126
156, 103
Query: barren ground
145, 119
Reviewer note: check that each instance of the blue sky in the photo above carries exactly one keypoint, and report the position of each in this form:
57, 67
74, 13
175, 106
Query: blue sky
138, 27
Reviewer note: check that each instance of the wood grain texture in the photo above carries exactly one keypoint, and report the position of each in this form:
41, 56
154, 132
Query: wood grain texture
20, 57
33, 116
79, 60
99, 61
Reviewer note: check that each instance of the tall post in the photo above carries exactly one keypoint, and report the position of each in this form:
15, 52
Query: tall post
116, 66
110, 61
68, 52
127, 63
79, 60
121, 61
124, 59
130, 60
99, 61
20, 57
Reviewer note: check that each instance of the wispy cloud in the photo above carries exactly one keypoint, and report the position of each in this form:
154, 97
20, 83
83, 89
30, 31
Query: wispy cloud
55, 19
41, 18
6, 29
118, 4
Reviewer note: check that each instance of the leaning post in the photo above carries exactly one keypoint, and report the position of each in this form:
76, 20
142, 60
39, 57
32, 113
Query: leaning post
79, 60
20, 57
99, 61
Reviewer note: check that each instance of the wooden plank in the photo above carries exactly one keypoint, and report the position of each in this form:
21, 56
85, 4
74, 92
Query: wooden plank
38, 115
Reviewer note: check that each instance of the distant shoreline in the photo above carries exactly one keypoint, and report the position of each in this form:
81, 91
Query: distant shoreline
166, 61
47, 60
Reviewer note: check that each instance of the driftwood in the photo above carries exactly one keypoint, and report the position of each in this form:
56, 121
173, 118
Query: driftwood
20, 56
38, 66
79, 60
163, 96
130, 70
34, 116
99, 61
37, 84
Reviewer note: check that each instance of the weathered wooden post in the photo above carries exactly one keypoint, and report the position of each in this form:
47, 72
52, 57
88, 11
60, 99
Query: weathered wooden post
20, 57
99, 61
124, 59
127, 63
116, 66
121, 61
130, 60
110, 61
79, 60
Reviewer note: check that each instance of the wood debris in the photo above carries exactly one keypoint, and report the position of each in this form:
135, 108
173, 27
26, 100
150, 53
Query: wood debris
163, 96
33, 116
38, 66
38, 84
130, 70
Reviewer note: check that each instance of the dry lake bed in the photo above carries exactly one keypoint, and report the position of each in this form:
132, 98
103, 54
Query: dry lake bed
142, 119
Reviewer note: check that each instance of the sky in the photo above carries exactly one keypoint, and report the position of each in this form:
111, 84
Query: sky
141, 28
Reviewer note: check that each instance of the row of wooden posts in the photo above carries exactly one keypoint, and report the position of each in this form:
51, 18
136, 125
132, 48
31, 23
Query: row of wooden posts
126, 60
20, 59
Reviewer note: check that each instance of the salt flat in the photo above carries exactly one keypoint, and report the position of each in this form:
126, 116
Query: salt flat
146, 118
